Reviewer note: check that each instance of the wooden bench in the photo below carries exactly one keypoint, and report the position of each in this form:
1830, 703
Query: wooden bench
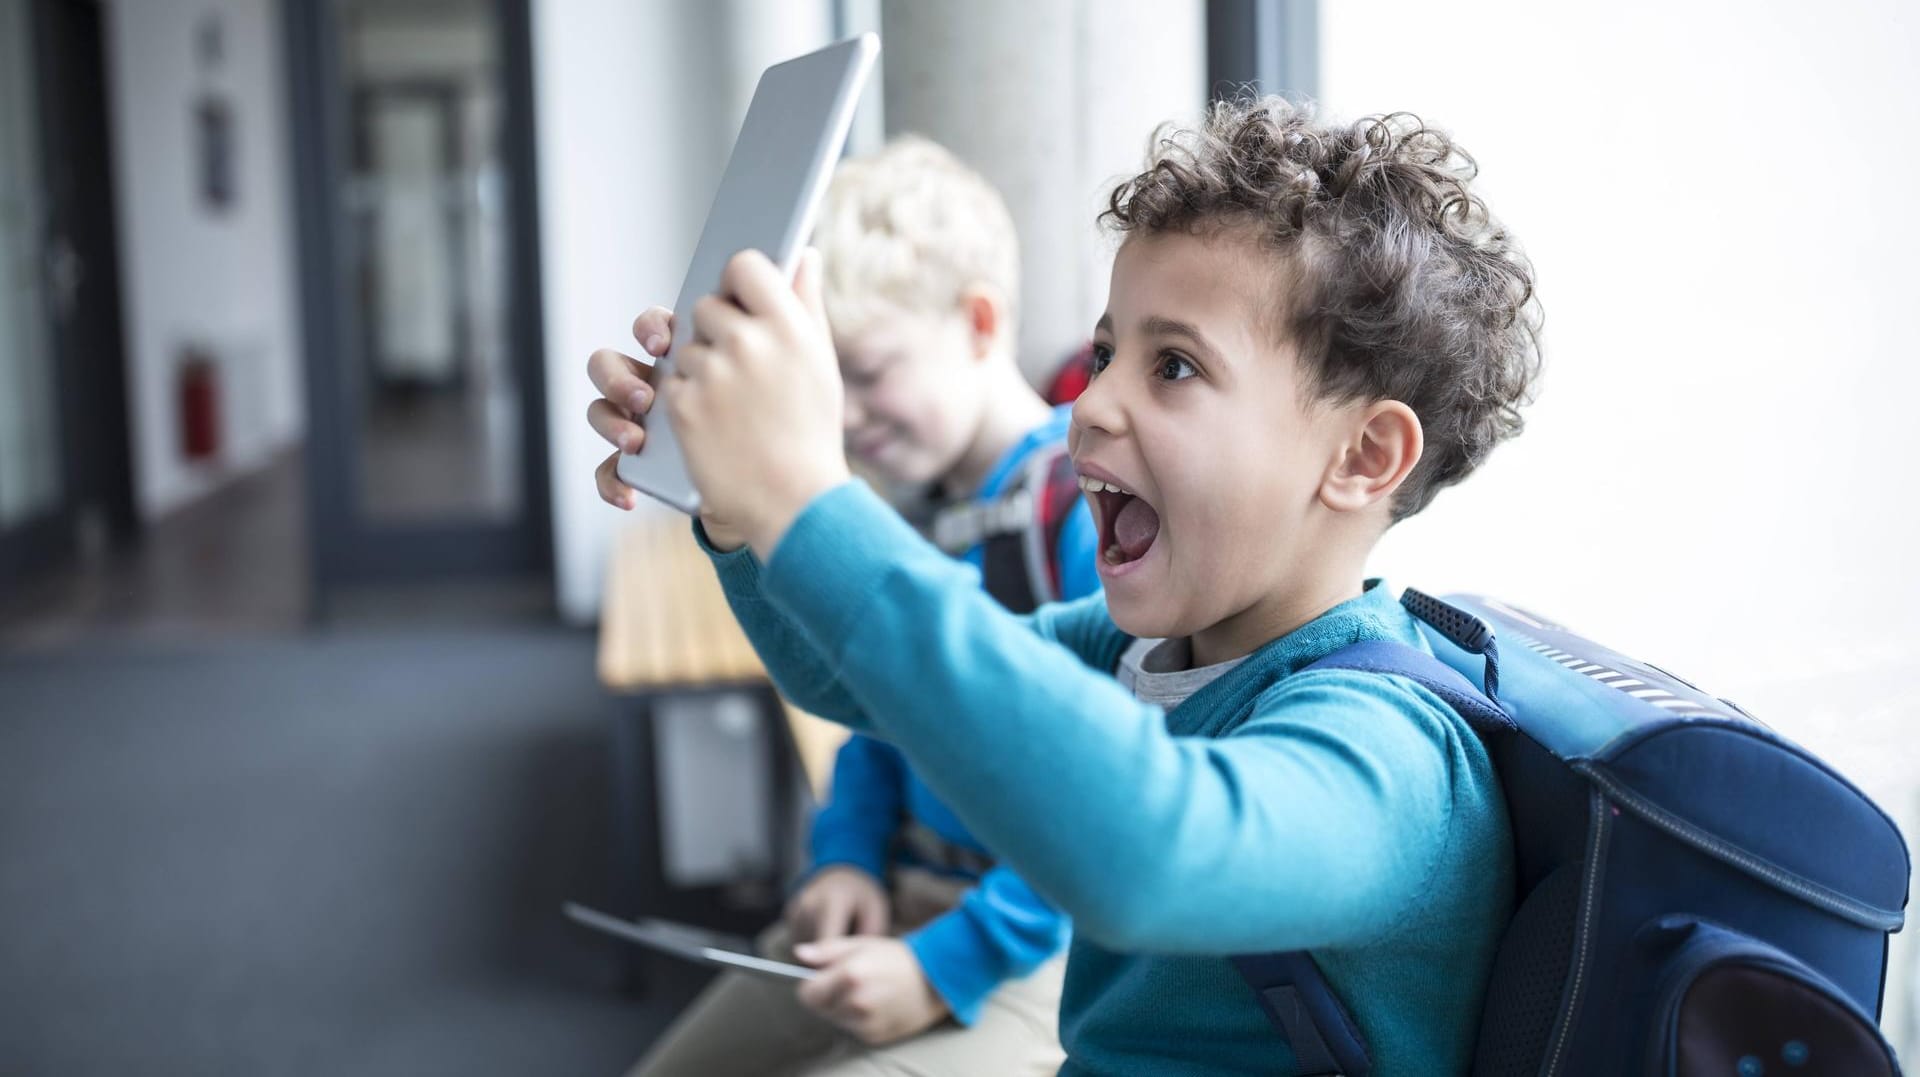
667, 635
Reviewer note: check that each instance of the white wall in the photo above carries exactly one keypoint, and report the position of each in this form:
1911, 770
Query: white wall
636, 107
189, 274
1718, 197
1053, 103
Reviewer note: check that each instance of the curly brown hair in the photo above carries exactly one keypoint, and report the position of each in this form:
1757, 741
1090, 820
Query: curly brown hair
1403, 287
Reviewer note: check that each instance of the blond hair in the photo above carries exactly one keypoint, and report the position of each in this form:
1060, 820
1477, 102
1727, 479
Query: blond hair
911, 228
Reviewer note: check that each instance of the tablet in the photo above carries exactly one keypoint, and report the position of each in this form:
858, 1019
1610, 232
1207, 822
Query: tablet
692, 943
773, 185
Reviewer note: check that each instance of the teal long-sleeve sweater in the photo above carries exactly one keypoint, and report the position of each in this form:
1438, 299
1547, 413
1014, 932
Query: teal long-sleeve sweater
1000, 929
1350, 814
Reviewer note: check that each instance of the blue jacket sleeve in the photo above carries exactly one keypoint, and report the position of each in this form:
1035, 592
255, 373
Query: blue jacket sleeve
1000, 931
863, 809
1079, 544
1151, 842
798, 669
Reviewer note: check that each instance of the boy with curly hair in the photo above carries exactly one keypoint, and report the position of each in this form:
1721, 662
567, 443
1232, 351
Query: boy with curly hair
1311, 329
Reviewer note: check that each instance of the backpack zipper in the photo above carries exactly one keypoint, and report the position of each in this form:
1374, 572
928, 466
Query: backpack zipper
1704, 841
1596, 864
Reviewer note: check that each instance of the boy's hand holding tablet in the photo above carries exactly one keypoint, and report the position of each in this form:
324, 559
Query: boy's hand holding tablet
755, 398
870, 986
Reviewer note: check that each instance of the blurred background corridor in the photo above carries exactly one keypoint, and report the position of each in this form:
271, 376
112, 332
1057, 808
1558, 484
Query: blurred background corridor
309, 715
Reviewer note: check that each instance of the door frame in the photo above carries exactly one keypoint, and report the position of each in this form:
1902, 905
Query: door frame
1270, 46
88, 353
347, 549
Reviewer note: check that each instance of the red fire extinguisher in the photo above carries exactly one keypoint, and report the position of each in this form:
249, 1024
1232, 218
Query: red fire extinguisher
199, 405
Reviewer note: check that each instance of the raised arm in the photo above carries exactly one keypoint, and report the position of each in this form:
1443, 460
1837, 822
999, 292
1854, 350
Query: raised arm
1315, 824
798, 669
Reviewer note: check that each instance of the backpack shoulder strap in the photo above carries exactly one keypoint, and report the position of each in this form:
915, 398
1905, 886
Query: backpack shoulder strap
1018, 531
1397, 659
1056, 490
1290, 986
1306, 1013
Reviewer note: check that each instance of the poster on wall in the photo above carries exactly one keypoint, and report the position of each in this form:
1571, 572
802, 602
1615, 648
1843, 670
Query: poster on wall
213, 123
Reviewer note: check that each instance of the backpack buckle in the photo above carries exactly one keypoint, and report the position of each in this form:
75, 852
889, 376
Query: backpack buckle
1471, 634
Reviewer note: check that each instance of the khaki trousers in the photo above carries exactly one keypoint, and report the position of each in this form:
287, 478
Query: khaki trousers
753, 1025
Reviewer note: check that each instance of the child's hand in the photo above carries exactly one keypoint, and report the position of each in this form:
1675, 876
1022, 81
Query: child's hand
839, 900
627, 393
872, 987
756, 398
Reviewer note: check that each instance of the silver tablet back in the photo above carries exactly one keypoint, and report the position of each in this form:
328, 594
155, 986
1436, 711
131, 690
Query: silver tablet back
775, 179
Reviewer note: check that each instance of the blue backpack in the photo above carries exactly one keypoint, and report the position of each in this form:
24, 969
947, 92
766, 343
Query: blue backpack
1697, 896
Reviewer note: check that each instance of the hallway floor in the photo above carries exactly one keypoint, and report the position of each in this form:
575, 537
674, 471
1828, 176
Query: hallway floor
234, 841
234, 563
336, 854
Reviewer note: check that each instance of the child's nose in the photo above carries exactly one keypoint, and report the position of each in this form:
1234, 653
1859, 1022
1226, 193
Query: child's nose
1098, 407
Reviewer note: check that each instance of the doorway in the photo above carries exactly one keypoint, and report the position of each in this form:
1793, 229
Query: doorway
420, 288
66, 484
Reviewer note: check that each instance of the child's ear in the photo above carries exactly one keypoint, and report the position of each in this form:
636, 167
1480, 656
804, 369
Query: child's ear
1383, 444
985, 311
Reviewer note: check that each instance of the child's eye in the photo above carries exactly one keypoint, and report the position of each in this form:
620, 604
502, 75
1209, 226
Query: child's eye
1175, 367
1102, 355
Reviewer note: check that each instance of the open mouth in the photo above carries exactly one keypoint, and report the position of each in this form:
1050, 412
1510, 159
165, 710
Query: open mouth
1128, 525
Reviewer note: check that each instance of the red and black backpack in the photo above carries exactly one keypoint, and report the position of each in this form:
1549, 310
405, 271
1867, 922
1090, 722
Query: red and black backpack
1019, 530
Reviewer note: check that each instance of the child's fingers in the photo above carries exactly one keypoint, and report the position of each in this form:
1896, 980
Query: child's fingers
825, 993
621, 379
615, 425
854, 1014
805, 921
828, 990
800, 920
757, 285
654, 330
717, 322
870, 917
692, 359
824, 952
612, 490
834, 918
807, 284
